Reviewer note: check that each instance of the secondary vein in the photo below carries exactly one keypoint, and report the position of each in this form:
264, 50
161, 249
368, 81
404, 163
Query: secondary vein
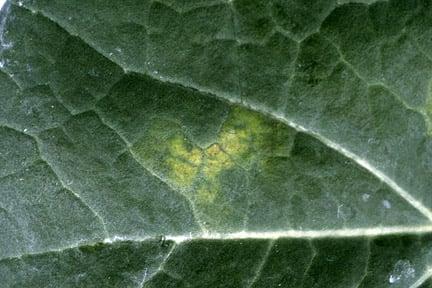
427, 212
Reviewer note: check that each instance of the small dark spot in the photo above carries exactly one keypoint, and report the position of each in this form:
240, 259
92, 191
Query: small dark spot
163, 242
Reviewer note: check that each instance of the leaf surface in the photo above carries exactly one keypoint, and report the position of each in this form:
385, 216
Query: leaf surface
215, 144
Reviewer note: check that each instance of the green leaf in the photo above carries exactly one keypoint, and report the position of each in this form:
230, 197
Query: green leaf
243, 143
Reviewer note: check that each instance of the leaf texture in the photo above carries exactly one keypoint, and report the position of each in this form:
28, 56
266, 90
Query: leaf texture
206, 143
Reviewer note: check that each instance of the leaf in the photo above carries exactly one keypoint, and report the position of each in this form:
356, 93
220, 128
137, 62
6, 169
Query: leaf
215, 143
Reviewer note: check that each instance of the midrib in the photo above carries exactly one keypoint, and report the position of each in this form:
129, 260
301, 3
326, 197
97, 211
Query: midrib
307, 235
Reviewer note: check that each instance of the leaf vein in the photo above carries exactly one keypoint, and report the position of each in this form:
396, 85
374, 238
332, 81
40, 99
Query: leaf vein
262, 263
282, 118
126, 142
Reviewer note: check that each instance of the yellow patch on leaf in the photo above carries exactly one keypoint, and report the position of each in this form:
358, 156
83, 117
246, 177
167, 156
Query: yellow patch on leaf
217, 160
181, 173
183, 161
178, 148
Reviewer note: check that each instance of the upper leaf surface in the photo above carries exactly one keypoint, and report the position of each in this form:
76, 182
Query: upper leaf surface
136, 119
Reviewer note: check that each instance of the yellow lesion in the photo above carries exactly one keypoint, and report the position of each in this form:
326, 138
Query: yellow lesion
245, 139
216, 161
233, 141
181, 173
186, 161
240, 139
183, 161
196, 171
243, 134
214, 150
180, 148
